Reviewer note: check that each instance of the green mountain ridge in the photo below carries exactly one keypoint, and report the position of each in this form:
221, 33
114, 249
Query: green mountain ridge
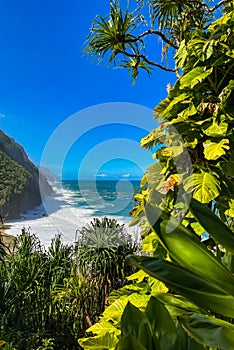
19, 180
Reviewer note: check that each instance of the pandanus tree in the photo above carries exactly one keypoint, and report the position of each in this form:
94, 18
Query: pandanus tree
123, 36
101, 248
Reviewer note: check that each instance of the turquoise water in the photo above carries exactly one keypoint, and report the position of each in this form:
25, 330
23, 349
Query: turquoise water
102, 197
73, 206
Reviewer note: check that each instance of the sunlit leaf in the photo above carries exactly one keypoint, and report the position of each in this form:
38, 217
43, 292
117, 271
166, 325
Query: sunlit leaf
198, 228
102, 327
216, 130
176, 238
204, 186
195, 76
230, 210
214, 150
102, 342
197, 289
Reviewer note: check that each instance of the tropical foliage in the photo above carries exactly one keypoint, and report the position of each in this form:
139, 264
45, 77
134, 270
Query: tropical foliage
47, 297
100, 250
182, 297
194, 141
13, 178
197, 309
19, 180
124, 37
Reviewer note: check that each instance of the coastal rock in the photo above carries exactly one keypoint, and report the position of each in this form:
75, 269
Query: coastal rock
19, 180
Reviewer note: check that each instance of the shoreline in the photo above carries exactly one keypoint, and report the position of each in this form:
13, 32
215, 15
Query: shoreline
56, 215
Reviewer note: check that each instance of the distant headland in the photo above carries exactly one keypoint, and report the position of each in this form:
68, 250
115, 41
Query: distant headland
19, 180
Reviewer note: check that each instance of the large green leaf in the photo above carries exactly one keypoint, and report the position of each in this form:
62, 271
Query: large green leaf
114, 311
195, 76
103, 342
147, 336
186, 113
228, 168
186, 249
213, 225
177, 304
131, 320
102, 327
186, 342
128, 342
204, 186
216, 130
167, 112
139, 300
214, 150
161, 324
209, 330
197, 289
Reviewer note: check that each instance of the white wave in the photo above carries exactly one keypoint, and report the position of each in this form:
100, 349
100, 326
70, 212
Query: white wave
56, 215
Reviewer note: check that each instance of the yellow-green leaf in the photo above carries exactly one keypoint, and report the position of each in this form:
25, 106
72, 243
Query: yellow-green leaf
103, 342
139, 276
148, 244
230, 210
198, 228
214, 150
103, 327
216, 130
204, 186
186, 113
195, 76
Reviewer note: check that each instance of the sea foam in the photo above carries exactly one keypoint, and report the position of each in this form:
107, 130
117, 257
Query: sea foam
58, 214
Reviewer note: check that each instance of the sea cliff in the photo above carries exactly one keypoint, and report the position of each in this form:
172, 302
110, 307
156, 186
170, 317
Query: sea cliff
19, 180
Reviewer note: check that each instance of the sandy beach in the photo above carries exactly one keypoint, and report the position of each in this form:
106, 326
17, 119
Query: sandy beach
57, 216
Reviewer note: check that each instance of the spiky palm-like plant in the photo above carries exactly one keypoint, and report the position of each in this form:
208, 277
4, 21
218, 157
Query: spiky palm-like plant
101, 249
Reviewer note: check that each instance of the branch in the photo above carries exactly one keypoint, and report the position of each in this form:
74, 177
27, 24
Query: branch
143, 57
214, 8
222, 2
152, 31
211, 9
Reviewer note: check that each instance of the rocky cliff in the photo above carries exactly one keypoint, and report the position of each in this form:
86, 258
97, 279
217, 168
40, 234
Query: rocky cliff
19, 180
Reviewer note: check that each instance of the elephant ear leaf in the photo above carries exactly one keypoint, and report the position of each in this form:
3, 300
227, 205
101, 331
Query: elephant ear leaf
128, 341
103, 342
131, 320
204, 186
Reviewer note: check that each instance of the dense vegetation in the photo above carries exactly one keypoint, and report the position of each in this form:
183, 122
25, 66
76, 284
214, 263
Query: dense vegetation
182, 297
48, 298
19, 180
14, 178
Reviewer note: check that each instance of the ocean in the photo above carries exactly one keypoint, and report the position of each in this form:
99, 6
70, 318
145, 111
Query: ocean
74, 204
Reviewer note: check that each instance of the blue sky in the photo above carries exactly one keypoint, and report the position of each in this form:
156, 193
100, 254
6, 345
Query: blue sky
46, 78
